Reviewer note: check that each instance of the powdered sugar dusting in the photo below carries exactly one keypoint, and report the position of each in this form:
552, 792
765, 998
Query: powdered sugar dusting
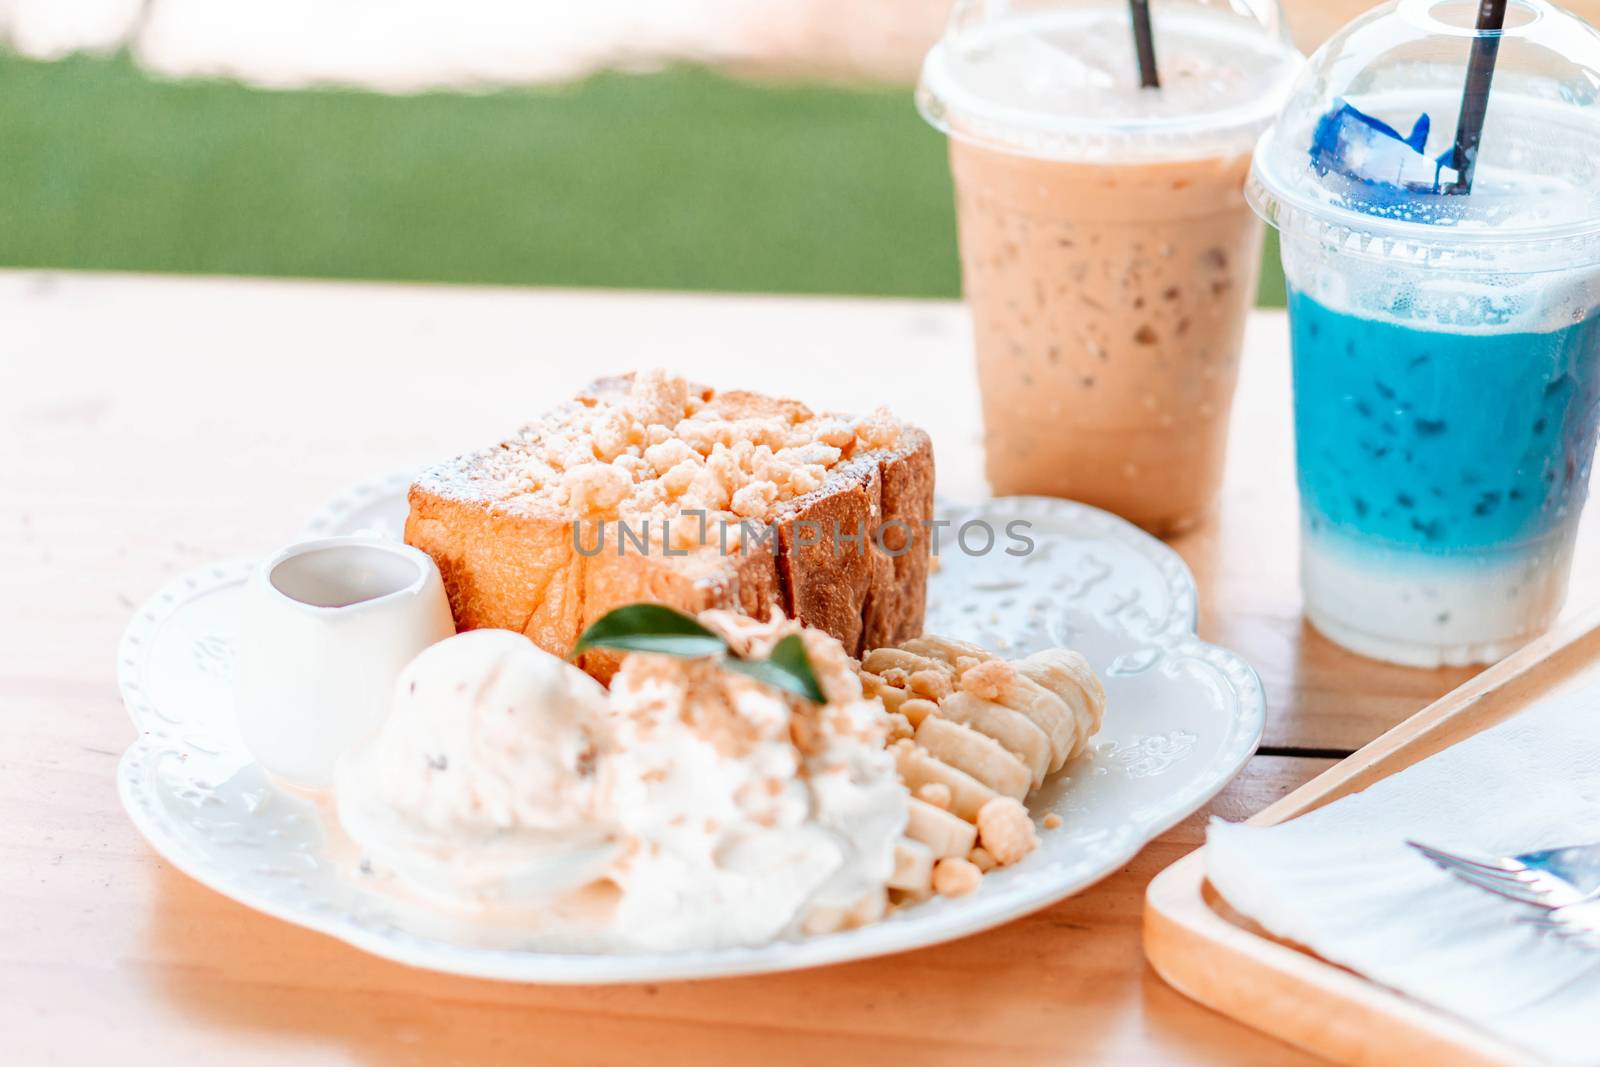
654, 446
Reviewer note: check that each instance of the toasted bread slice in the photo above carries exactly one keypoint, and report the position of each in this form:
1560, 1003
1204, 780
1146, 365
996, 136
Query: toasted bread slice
529, 534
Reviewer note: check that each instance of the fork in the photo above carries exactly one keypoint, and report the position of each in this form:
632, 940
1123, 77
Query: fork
1549, 878
1579, 923
1563, 883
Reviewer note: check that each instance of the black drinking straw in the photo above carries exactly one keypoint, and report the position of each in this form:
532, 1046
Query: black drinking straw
1475, 93
1145, 44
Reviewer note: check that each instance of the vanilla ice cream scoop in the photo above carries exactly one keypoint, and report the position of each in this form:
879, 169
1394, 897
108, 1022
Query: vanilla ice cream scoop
481, 784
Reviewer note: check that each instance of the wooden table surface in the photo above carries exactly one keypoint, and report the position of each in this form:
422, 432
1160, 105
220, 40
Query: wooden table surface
149, 425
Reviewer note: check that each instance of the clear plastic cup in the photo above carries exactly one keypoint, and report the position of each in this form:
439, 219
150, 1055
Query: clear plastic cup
1108, 255
1446, 345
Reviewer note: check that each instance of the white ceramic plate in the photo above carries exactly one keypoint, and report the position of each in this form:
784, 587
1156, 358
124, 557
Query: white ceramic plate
1182, 719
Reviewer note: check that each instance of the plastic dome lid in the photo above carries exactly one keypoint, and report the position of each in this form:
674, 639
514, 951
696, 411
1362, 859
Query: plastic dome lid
1364, 155
1061, 78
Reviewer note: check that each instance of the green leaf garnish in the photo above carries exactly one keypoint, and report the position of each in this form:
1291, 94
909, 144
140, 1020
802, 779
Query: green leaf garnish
650, 628
788, 668
660, 629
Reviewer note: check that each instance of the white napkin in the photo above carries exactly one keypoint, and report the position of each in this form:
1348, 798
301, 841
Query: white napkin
1341, 881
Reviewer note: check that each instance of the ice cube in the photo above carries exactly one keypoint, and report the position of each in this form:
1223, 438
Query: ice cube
1356, 145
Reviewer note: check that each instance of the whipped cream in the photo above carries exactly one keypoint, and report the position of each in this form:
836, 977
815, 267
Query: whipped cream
745, 815
482, 784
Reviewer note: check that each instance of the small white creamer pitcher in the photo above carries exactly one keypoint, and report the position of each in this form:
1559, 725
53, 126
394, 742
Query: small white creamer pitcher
328, 625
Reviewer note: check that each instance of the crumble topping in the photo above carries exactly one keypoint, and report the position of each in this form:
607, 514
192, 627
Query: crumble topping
654, 446
988, 680
955, 877
1005, 831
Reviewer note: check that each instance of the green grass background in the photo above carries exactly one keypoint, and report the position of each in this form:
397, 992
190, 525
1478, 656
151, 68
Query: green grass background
683, 179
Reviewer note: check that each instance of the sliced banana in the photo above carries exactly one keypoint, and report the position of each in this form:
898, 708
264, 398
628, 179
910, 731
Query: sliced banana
917, 768
978, 755
1046, 711
973, 749
827, 920
913, 866
918, 708
1018, 733
941, 832
1069, 676
892, 695
945, 649
888, 659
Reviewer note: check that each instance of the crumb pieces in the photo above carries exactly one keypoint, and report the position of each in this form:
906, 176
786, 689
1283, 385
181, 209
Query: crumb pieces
989, 680
955, 877
807, 479
596, 488
1005, 830
935, 793
656, 448
980, 858
1052, 821
878, 430
933, 684
755, 500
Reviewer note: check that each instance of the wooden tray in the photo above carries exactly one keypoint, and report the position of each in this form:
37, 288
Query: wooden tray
1220, 958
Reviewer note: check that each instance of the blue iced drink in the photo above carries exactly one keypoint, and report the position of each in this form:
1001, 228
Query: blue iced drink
1445, 467
1445, 327
1448, 444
